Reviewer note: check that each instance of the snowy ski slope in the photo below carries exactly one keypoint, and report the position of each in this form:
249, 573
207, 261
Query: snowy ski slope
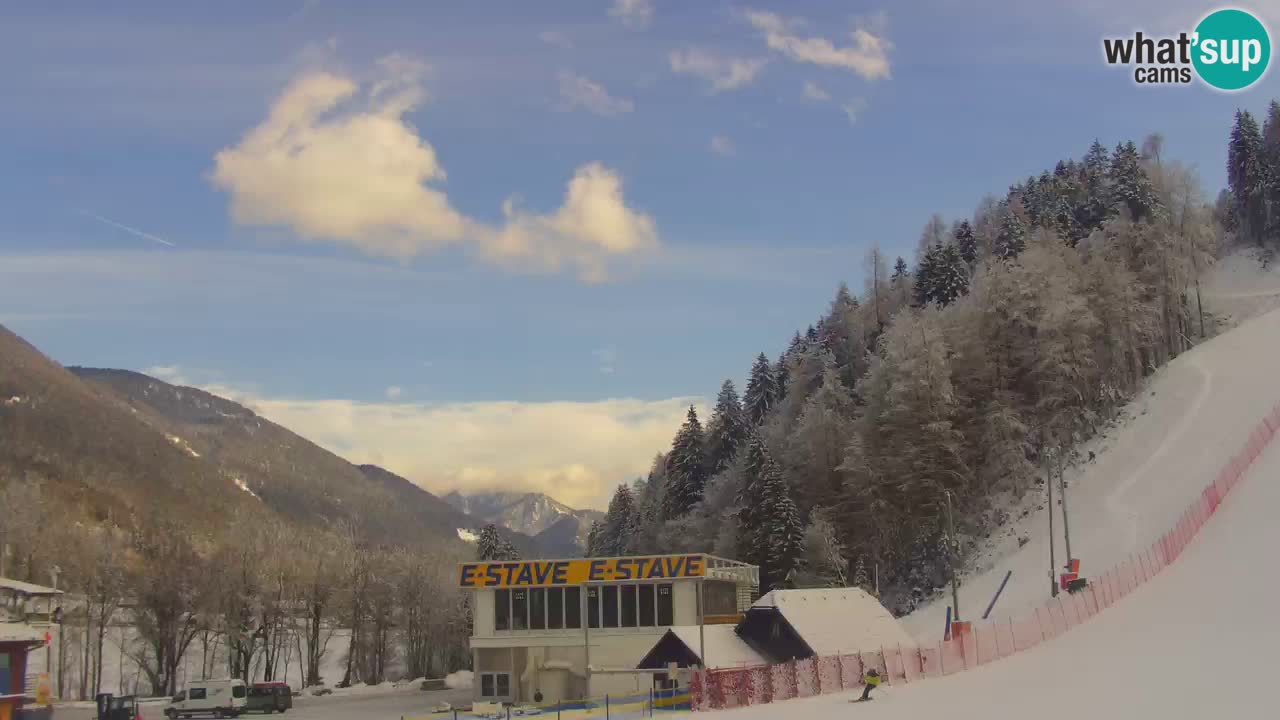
1192, 417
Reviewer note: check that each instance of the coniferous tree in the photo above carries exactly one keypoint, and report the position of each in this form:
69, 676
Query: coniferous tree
686, 467
762, 390
594, 547
1012, 239
1271, 169
1095, 193
1131, 188
927, 276
781, 534
489, 546
728, 428
966, 242
621, 523
860, 577
951, 275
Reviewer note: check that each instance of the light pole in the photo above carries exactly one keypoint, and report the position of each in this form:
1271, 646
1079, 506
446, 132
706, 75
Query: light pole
1053, 563
951, 557
1062, 492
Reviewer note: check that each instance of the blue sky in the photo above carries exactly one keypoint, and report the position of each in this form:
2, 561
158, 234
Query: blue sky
734, 161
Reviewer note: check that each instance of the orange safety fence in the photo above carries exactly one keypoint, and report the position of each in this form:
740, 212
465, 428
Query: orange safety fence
993, 639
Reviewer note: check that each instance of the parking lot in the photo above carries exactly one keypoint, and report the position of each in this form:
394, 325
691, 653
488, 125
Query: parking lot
383, 705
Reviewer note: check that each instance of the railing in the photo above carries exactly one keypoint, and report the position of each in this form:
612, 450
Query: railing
989, 641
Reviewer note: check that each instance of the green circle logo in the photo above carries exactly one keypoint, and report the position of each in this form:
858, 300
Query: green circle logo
1231, 49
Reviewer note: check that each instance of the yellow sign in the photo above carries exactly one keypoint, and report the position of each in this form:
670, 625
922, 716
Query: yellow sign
554, 573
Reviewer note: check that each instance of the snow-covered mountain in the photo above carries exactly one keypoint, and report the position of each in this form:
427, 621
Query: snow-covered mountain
551, 521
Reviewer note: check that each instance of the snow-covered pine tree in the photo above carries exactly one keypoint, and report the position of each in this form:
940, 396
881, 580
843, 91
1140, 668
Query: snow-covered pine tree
824, 561
966, 242
621, 523
489, 544
860, 577
1131, 189
1012, 239
951, 275
594, 548
507, 551
1246, 176
749, 499
927, 276
1271, 168
728, 428
781, 535
1094, 202
762, 390
686, 467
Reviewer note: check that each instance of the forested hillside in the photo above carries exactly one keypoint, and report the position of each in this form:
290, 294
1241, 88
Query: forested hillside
964, 375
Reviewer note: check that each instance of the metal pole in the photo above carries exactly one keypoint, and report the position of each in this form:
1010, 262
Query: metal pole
702, 641
951, 559
586, 636
1062, 492
1053, 563
997, 595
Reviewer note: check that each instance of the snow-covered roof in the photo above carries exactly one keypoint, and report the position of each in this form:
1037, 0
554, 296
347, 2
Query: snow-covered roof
26, 588
17, 632
837, 620
722, 647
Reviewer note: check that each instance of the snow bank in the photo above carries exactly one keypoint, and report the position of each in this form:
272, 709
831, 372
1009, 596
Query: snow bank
460, 680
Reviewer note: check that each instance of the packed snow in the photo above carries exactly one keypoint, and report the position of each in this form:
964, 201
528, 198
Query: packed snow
240, 483
1190, 419
1194, 642
460, 680
466, 535
182, 444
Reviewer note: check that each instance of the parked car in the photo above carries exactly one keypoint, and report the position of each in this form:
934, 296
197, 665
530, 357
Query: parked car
269, 697
218, 698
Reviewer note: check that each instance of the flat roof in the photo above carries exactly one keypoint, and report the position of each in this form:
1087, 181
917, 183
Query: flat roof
26, 588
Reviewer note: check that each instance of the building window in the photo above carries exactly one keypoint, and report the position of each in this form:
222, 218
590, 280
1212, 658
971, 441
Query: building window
629, 610
593, 607
502, 610
519, 609
495, 685
647, 617
555, 608
537, 609
666, 609
573, 608
610, 601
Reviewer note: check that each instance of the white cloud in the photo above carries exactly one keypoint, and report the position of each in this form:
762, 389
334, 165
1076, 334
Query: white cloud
580, 92
867, 57
556, 38
724, 73
853, 109
722, 146
576, 452
636, 13
337, 162
814, 91
394, 392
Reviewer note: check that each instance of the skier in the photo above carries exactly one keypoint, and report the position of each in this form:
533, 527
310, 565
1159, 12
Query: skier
871, 680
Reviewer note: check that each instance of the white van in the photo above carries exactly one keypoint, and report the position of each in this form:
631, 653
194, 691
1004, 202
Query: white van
219, 698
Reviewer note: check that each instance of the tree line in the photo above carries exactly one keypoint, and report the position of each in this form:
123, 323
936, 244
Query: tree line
967, 375
246, 602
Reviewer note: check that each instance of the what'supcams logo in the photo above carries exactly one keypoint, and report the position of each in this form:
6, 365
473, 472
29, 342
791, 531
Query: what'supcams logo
1229, 50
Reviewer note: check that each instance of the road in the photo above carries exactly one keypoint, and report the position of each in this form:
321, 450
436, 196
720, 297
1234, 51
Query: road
390, 705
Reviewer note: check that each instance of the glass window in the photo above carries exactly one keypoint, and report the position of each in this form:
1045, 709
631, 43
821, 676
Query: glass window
647, 618
504, 684
573, 608
629, 614
196, 693
519, 609
555, 608
666, 609
486, 685
609, 598
593, 607
237, 691
538, 609
502, 610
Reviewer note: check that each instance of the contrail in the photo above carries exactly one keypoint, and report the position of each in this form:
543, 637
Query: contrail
126, 228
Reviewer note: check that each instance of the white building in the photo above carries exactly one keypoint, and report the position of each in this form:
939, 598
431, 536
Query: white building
546, 631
